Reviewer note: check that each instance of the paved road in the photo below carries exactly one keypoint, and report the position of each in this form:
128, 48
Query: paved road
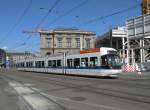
36, 91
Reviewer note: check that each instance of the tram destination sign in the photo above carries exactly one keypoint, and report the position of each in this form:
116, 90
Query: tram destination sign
138, 27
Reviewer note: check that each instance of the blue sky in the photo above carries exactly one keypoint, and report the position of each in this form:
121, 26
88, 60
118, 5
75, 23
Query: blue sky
13, 22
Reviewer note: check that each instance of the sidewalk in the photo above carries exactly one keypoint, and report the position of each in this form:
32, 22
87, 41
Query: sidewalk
135, 75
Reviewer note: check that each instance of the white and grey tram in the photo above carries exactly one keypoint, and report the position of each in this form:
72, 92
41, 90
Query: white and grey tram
93, 62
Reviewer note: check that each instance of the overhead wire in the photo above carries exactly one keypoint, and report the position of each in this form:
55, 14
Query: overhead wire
58, 18
41, 21
47, 14
69, 11
20, 47
17, 23
109, 15
85, 23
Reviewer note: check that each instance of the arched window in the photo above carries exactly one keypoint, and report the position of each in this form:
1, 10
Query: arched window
48, 53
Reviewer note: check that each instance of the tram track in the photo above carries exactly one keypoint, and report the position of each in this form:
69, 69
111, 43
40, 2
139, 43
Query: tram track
89, 88
130, 83
118, 82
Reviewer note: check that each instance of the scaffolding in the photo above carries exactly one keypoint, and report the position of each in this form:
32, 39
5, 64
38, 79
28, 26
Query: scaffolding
138, 40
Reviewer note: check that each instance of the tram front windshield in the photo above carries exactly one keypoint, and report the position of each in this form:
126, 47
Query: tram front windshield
112, 60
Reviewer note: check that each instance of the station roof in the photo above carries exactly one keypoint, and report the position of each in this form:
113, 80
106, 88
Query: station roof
66, 30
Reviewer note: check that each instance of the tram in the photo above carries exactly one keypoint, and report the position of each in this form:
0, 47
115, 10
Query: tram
93, 62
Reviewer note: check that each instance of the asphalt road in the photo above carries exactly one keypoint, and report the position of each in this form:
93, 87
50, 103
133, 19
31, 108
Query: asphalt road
37, 91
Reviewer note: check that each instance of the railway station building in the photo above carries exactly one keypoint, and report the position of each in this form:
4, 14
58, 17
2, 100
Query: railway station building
60, 40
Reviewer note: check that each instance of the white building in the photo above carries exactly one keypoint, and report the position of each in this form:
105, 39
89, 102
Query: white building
13, 57
113, 38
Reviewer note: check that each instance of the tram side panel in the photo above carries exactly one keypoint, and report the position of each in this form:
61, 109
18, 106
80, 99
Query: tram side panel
79, 64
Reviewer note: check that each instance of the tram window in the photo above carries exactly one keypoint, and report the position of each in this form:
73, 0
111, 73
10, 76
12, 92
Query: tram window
22, 65
77, 62
104, 61
26, 64
42, 64
31, 64
59, 63
93, 61
35, 64
84, 62
39, 64
54, 63
49, 63
69, 63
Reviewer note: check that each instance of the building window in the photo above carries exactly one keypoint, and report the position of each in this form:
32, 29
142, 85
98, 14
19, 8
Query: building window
48, 42
87, 43
69, 42
131, 31
78, 42
59, 42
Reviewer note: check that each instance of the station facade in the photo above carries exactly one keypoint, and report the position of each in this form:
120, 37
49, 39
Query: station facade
68, 40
